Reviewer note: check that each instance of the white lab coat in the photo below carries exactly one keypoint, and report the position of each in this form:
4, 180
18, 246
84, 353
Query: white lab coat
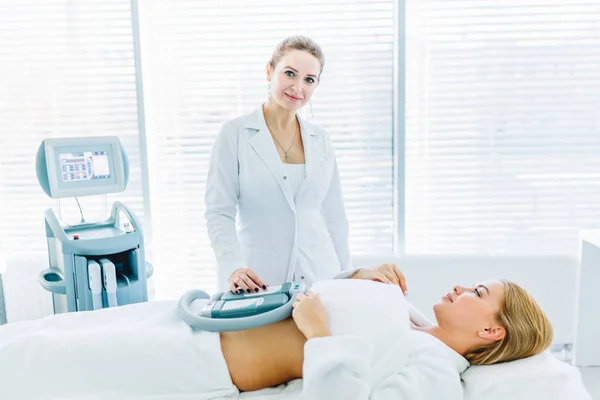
280, 236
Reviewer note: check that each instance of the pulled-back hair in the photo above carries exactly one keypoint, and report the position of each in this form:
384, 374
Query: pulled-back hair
528, 330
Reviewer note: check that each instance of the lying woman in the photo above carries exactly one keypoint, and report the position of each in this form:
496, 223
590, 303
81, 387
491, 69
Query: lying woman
348, 339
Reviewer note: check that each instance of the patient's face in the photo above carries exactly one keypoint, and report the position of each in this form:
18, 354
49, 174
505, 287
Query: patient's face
470, 309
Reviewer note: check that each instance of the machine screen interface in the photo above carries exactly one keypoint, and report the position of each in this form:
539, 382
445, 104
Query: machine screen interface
84, 166
237, 304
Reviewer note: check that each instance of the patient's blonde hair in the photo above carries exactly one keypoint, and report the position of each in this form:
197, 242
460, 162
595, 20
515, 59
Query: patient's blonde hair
528, 330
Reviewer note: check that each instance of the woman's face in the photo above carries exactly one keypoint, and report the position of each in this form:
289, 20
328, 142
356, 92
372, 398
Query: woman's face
294, 79
472, 311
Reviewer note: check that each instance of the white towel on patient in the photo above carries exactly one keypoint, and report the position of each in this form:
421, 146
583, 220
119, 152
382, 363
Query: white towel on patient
139, 351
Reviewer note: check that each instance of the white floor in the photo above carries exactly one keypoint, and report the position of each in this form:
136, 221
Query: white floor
591, 380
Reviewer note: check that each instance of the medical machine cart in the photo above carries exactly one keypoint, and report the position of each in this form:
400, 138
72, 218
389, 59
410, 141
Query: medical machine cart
92, 265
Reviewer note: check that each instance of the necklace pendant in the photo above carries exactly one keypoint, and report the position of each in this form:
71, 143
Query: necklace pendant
286, 157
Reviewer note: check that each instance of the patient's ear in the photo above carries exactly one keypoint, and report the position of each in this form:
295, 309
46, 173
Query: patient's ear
493, 333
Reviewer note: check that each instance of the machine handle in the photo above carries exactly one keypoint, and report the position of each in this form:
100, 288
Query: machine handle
118, 206
53, 281
201, 323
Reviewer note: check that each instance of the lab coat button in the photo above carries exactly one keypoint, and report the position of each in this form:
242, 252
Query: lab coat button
301, 277
284, 177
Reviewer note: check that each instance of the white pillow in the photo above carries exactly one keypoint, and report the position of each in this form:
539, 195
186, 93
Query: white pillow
539, 377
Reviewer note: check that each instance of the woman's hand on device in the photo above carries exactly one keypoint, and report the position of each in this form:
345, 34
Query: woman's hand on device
310, 316
246, 280
385, 273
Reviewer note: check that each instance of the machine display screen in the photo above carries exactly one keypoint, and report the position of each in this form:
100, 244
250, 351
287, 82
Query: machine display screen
84, 166
71, 167
245, 303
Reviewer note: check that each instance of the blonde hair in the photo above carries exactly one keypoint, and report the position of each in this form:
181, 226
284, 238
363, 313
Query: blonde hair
528, 330
301, 43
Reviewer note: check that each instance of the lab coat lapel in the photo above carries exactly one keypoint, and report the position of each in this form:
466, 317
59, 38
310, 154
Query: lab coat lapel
263, 145
312, 154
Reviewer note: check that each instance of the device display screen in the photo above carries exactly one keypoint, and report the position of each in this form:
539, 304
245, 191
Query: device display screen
245, 303
84, 166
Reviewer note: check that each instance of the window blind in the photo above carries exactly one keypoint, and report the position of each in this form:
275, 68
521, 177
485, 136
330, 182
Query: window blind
66, 69
204, 63
503, 125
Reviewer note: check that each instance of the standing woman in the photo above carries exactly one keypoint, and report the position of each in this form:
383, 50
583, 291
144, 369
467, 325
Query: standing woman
278, 175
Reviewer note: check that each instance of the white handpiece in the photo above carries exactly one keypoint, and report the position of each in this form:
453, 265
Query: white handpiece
109, 273
95, 283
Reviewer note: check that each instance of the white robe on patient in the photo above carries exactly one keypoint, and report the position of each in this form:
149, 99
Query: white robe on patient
373, 354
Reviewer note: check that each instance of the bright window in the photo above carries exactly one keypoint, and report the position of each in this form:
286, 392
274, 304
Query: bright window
502, 126
66, 69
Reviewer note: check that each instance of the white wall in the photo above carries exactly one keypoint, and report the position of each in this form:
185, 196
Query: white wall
551, 280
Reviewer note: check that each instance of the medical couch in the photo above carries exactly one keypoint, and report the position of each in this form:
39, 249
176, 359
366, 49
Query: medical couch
539, 377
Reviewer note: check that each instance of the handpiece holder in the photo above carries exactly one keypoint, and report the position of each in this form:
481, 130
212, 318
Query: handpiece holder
211, 324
